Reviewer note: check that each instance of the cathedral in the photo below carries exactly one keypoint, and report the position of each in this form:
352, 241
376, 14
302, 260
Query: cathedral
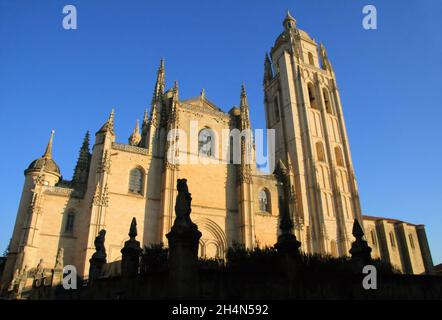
313, 180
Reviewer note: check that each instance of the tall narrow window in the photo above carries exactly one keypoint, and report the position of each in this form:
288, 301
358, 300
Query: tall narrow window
311, 60
136, 181
276, 107
264, 201
327, 103
373, 238
392, 241
311, 96
410, 236
320, 152
339, 158
69, 227
206, 142
333, 248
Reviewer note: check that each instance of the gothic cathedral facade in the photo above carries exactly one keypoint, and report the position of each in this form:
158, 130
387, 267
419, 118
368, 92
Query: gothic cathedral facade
232, 203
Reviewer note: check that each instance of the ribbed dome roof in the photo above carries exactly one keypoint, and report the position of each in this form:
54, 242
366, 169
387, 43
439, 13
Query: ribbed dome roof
48, 164
45, 162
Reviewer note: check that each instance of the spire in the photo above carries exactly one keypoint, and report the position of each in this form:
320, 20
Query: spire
160, 82
145, 118
85, 146
135, 137
109, 125
81, 171
289, 21
203, 94
48, 152
268, 72
244, 107
289, 164
144, 130
175, 94
326, 65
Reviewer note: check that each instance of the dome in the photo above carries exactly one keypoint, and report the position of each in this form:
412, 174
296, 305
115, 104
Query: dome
45, 162
305, 35
48, 164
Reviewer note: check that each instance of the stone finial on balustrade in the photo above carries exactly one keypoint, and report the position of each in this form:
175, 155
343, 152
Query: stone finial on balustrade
360, 250
287, 242
98, 259
131, 253
57, 272
183, 248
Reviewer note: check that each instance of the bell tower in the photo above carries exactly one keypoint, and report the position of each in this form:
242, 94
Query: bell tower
303, 106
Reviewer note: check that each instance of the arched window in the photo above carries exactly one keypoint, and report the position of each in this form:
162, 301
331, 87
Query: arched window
333, 248
264, 201
339, 159
311, 60
320, 153
410, 236
327, 102
392, 242
311, 96
206, 142
373, 238
136, 181
69, 226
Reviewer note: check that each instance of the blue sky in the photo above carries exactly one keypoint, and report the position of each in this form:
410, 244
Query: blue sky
51, 78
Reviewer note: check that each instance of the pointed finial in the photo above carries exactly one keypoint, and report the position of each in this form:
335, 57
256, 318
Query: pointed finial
111, 121
289, 16
48, 152
289, 161
109, 125
146, 117
289, 21
203, 94
135, 137
160, 83
282, 166
86, 140
133, 229
357, 231
175, 91
243, 100
268, 71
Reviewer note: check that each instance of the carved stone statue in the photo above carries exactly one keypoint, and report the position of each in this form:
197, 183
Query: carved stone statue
183, 247
98, 259
39, 272
100, 250
59, 259
183, 208
14, 280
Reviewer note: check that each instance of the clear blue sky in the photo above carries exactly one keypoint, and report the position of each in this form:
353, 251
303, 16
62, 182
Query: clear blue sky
389, 80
